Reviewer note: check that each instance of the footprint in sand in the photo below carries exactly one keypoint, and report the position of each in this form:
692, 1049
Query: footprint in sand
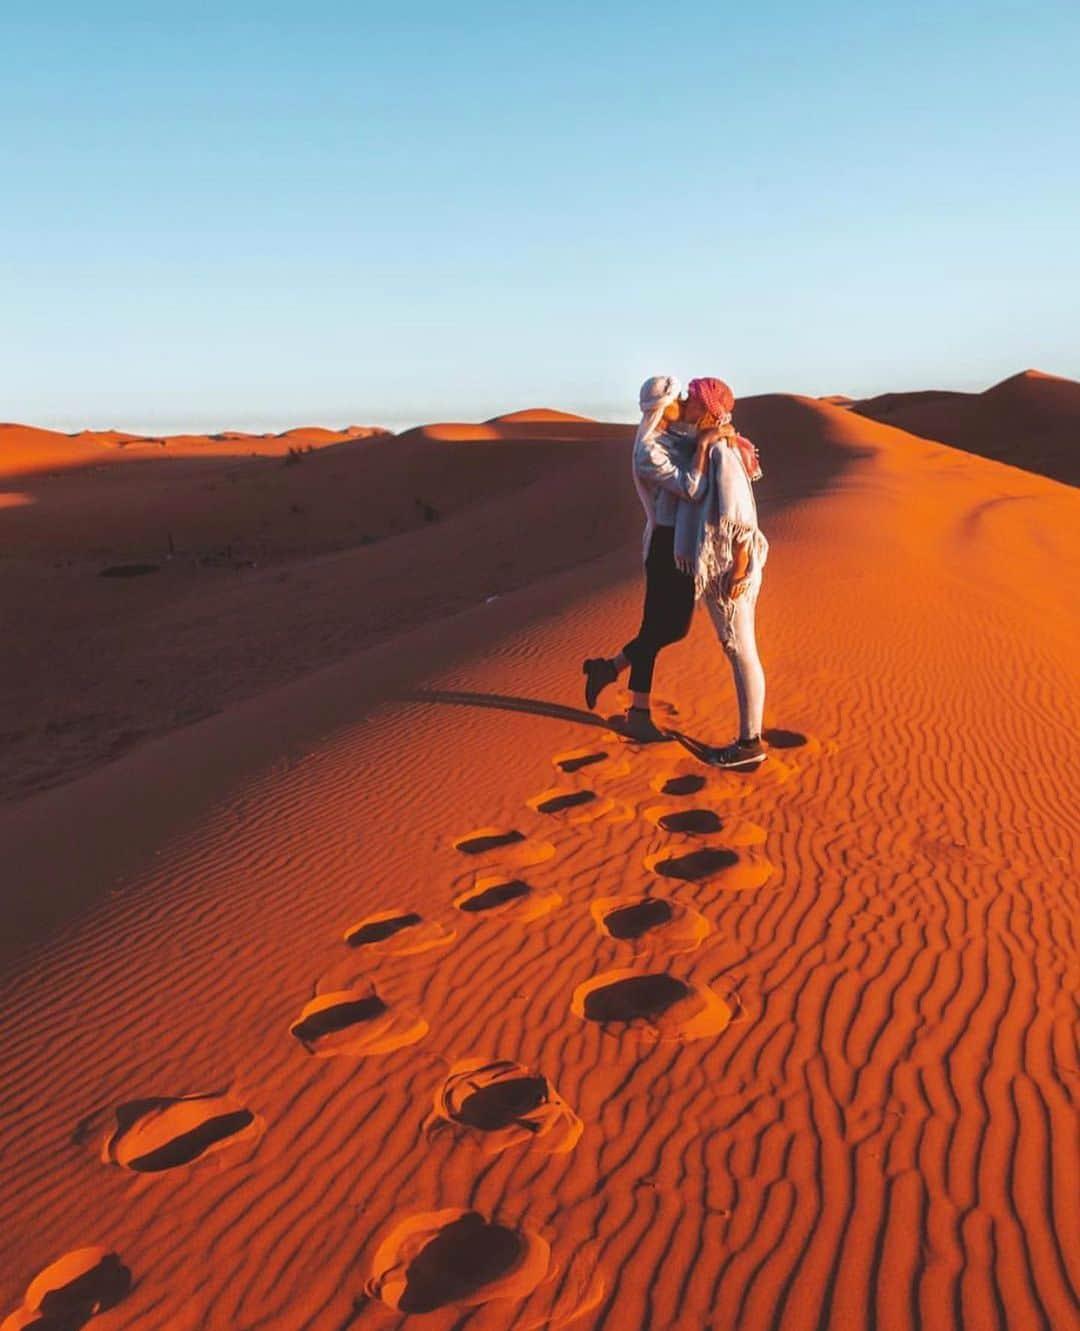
783, 739
437, 1259
499, 894
500, 1103
162, 1133
575, 759
688, 783
704, 822
487, 839
506, 847
658, 1006
356, 1022
559, 801
720, 864
651, 921
691, 822
71, 1291
396, 933
578, 806
681, 780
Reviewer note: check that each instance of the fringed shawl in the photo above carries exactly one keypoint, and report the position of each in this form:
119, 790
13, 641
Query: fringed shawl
707, 531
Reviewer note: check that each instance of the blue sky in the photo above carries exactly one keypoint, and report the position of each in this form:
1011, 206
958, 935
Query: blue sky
257, 215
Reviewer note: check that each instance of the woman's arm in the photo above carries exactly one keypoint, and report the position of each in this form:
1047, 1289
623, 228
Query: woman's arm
656, 465
740, 566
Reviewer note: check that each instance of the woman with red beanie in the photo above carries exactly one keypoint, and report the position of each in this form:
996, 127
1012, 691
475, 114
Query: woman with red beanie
719, 544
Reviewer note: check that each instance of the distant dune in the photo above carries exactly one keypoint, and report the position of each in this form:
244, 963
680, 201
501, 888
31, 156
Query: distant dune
356, 976
535, 416
25, 449
1031, 420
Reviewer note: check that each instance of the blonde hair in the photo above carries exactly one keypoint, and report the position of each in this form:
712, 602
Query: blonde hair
710, 421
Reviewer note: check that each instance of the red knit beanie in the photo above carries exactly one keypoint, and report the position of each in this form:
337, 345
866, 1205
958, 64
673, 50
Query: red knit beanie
713, 394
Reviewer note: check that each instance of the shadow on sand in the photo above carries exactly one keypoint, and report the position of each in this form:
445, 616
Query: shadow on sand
508, 702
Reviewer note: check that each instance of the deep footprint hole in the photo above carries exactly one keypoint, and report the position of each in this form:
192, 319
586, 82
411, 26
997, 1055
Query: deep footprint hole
632, 921
558, 803
379, 930
94, 1292
783, 739
634, 997
460, 1260
491, 1108
584, 760
700, 821
339, 1017
683, 785
478, 845
188, 1146
697, 865
496, 895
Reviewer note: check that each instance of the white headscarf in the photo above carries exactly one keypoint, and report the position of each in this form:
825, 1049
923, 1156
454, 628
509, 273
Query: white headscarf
654, 395
658, 392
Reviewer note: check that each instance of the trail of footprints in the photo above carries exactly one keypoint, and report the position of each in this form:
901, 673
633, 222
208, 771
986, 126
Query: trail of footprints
459, 1257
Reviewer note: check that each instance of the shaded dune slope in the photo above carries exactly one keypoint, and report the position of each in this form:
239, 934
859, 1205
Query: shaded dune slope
303, 562
1031, 420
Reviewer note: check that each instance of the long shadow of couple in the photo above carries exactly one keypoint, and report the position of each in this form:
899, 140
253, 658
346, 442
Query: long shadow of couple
508, 702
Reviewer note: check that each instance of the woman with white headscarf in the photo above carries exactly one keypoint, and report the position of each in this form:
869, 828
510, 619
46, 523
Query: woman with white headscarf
666, 470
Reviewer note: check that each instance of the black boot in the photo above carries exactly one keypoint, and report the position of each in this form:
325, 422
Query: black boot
638, 726
599, 672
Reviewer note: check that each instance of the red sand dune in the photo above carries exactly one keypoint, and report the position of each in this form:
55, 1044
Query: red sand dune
674, 1048
536, 416
1031, 420
26, 450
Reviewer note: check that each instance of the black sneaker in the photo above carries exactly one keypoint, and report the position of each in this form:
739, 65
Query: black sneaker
743, 753
599, 673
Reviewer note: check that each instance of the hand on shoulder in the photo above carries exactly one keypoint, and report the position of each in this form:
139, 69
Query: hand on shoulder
718, 434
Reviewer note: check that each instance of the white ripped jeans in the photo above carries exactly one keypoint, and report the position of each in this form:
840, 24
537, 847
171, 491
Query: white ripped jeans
734, 624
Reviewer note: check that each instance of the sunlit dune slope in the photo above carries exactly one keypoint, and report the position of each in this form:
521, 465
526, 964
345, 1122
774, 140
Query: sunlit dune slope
26, 450
536, 416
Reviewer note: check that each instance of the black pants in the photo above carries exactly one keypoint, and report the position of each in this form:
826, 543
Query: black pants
669, 608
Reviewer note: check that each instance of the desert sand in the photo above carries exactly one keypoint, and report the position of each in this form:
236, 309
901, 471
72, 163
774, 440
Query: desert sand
356, 977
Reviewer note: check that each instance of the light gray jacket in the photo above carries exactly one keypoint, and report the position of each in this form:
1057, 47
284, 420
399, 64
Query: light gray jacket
662, 474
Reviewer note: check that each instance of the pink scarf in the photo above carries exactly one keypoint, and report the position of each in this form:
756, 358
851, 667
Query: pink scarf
719, 401
749, 455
